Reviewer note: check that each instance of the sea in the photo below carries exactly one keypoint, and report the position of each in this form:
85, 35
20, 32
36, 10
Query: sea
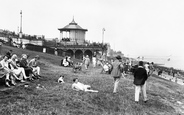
176, 62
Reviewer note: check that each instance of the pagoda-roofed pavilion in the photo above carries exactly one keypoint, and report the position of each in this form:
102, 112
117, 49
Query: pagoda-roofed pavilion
72, 34
73, 43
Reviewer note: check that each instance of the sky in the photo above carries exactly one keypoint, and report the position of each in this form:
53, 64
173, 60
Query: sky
153, 29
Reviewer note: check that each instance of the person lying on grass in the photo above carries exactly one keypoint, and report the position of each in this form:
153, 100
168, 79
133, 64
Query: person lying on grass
81, 87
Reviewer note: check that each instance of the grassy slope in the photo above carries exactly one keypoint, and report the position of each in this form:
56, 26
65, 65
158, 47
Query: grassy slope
60, 99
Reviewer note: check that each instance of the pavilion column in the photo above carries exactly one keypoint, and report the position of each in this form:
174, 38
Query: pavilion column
74, 53
69, 34
61, 35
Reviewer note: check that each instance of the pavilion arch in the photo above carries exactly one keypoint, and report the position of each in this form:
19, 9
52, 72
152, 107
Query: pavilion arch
89, 53
69, 53
79, 54
60, 52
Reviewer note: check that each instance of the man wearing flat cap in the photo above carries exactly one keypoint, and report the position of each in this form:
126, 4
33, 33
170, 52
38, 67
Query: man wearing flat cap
117, 71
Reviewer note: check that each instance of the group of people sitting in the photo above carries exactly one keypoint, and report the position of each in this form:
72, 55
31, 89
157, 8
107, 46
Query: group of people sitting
66, 62
15, 69
106, 67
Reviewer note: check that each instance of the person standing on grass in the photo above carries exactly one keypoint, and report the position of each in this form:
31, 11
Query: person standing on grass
86, 62
94, 59
9, 53
146, 66
151, 68
65, 62
117, 72
140, 77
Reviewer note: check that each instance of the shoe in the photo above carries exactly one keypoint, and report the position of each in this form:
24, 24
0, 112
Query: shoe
22, 81
136, 102
26, 77
7, 84
13, 83
146, 101
39, 76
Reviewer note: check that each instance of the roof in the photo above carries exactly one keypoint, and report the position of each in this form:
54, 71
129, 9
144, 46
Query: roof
72, 26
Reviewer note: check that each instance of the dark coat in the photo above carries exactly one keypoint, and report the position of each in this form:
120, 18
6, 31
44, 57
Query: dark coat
140, 76
23, 63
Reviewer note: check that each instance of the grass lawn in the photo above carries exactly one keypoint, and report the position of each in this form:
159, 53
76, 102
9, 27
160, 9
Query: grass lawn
165, 97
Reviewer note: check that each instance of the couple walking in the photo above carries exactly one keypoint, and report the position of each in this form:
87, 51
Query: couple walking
140, 77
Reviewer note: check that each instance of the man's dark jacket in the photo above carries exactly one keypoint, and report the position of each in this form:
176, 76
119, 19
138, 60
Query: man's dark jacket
140, 76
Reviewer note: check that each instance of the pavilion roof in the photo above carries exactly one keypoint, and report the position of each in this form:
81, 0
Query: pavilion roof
72, 26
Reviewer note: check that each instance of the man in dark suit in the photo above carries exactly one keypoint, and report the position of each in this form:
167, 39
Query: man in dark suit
140, 77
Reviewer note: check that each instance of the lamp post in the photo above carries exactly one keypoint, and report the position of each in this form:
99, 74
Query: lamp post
103, 35
20, 24
103, 43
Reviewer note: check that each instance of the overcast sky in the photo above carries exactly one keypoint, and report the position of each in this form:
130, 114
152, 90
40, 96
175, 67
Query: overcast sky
150, 28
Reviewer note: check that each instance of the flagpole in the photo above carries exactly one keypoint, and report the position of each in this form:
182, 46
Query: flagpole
103, 35
20, 33
21, 21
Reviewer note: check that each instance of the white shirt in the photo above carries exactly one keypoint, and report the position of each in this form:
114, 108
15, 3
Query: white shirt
106, 68
146, 66
65, 63
4, 64
80, 86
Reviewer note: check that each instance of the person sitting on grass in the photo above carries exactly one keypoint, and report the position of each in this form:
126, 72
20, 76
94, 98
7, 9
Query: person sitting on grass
77, 66
34, 65
4, 70
18, 71
81, 87
106, 67
65, 62
28, 70
61, 79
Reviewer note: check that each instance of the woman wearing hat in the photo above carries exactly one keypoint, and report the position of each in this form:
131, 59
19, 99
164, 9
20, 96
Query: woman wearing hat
117, 72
